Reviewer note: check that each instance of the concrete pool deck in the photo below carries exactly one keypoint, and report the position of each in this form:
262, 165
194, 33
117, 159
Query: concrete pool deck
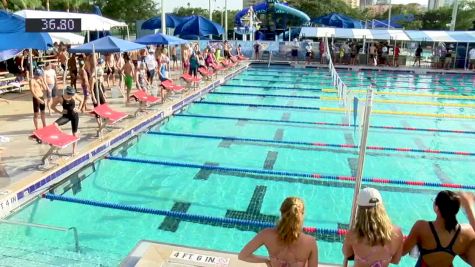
149, 253
21, 158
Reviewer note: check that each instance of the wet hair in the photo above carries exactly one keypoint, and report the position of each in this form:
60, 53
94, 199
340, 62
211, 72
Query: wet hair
291, 221
372, 225
448, 203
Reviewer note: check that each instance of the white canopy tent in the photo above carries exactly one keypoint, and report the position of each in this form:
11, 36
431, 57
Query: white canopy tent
67, 38
89, 22
385, 34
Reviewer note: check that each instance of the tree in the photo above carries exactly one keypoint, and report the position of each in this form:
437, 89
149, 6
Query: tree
128, 10
22, 4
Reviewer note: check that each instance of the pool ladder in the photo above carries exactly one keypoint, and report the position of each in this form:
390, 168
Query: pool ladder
48, 227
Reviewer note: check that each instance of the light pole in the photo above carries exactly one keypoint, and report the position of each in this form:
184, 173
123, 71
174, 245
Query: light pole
164, 20
389, 15
454, 15
225, 19
210, 13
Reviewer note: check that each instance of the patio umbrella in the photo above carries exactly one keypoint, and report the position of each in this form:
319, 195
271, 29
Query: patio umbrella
107, 44
171, 20
198, 26
338, 21
160, 38
13, 35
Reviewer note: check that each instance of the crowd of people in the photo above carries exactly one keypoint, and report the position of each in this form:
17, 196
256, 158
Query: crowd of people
373, 240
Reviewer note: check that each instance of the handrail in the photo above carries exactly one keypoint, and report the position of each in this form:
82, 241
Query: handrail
48, 227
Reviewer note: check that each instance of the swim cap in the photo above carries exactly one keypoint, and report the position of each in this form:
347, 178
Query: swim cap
37, 72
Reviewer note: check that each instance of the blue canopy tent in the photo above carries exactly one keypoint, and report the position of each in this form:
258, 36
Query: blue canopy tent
198, 26
13, 35
171, 20
395, 21
159, 38
108, 44
338, 21
94, 35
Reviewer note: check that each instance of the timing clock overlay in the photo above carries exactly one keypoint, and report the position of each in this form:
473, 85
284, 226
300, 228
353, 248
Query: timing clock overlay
53, 25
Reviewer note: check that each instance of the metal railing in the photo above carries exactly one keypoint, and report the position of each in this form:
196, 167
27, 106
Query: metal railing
48, 227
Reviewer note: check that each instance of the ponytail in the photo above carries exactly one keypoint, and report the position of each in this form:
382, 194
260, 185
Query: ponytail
449, 204
291, 222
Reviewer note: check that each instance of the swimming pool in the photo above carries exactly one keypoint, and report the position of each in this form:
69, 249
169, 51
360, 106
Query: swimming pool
182, 166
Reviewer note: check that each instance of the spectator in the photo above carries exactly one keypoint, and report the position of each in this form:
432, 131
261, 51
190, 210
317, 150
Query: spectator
98, 93
321, 50
151, 65
384, 54
372, 55
286, 244
141, 77
346, 51
397, 51
295, 49
443, 239
84, 79
119, 66
73, 70
227, 50
110, 69
309, 52
471, 57
49, 76
373, 239
448, 59
69, 111
354, 54
38, 87
257, 48
174, 58
194, 64
418, 55
239, 51
129, 71
185, 58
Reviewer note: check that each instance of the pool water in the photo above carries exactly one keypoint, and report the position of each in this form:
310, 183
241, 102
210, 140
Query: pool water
200, 135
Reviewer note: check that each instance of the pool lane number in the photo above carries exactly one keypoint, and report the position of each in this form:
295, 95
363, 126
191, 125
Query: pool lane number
200, 258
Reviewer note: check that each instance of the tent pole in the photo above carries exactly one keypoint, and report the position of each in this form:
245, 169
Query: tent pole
30, 58
455, 59
226, 19
128, 33
466, 56
96, 87
88, 36
364, 45
164, 20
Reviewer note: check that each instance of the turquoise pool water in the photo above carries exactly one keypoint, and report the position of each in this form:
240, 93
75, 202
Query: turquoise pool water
106, 236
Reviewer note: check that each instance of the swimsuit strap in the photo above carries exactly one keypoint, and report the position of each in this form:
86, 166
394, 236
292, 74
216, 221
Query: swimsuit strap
436, 236
452, 242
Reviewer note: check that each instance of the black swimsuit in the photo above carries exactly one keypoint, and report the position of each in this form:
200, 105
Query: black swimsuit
439, 248
71, 115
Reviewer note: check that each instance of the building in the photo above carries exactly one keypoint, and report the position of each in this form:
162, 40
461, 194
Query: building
248, 3
434, 4
353, 3
367, 3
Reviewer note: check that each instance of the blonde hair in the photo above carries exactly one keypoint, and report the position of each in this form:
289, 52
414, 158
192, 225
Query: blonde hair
373, 225
291, 221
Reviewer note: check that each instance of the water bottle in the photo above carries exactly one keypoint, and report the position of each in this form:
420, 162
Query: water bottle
414, 252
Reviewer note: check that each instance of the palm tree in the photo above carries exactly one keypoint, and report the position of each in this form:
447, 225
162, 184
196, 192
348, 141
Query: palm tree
47, 5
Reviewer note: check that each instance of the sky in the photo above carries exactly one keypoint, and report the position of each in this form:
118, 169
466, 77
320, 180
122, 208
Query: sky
237, 4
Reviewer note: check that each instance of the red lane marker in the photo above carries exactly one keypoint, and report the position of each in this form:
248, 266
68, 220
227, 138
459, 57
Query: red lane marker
415, 182
346, 178
316, 175
462, 153
431, 151
410, 128
348, 145
342, 231
310, 229
452, 185
381, 180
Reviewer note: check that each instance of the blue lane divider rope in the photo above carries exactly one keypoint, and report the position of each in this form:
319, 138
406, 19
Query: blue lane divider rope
291, 174
255, 105
318, 144
180, 215
265, 95
273, 87
385, 127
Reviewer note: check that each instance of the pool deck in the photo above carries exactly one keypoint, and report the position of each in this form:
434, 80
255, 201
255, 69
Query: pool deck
149, 253
20, 171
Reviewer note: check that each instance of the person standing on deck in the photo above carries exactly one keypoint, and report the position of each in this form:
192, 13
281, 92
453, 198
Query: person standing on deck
38, 87
129, 73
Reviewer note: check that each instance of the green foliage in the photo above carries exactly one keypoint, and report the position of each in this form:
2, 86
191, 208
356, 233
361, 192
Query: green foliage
24, 4
129, 10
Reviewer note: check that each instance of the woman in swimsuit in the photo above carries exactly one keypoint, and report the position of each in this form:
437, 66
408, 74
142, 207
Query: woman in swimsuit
286, 244
69, 112
373, 240
443, 239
